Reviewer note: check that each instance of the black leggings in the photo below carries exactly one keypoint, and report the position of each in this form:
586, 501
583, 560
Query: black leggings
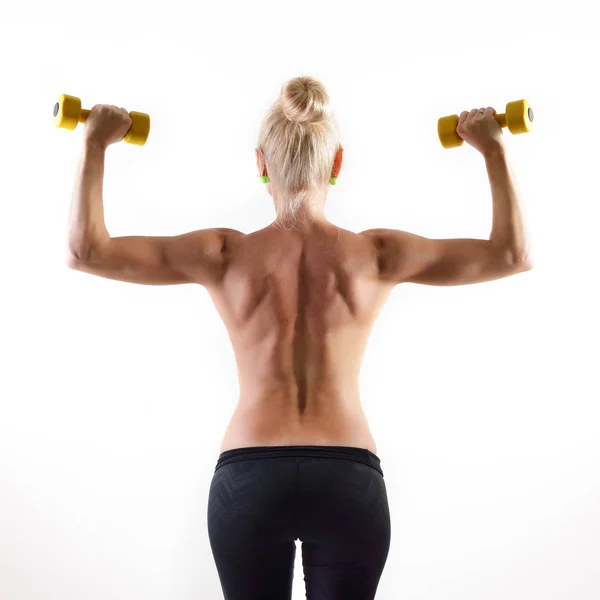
332, 498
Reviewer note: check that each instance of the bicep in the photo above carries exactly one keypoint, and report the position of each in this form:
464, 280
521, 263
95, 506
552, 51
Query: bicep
406, 257
195, 257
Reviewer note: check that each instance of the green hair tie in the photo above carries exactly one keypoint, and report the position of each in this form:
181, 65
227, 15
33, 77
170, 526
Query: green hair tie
333, 180
265, 179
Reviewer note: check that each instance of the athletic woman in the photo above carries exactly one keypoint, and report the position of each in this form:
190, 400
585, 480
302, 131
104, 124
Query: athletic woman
299, 299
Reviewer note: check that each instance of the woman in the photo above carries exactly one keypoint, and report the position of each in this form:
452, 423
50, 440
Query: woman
298, 298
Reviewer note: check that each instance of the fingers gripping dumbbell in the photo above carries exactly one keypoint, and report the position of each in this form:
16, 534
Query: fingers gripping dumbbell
68, 113
518, 118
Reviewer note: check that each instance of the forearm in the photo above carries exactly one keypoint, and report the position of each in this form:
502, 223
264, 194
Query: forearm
86, 219
508, 228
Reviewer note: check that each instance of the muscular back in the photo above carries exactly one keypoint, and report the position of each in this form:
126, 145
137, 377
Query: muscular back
299, 307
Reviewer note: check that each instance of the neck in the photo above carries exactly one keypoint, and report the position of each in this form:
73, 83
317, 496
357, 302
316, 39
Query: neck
302, 212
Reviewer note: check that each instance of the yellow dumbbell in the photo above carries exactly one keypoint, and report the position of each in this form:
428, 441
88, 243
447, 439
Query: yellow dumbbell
518, 118
68, 113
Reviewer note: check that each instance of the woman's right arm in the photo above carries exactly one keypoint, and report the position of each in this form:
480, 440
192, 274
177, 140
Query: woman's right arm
408, 258
405, 257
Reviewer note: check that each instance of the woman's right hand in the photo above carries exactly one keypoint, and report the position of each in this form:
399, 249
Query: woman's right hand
479, 129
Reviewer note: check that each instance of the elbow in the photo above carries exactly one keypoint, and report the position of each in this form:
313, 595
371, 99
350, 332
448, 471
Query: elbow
77, 253
523, 260
527, 264
72, 261
73, 257
521, 263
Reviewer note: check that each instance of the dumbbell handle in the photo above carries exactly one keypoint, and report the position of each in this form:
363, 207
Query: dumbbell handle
501, 119
85, 113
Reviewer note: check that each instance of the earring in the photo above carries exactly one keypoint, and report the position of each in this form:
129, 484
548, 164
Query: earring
333, 180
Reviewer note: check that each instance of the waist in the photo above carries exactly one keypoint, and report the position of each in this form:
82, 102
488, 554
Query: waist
269, 426
361, 455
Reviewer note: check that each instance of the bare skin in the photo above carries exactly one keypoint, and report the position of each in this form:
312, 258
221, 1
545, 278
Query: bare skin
299, 303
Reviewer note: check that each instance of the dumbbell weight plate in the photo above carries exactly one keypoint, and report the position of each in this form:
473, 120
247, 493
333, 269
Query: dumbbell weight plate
519, 116
447, 132
139, 130
67, 111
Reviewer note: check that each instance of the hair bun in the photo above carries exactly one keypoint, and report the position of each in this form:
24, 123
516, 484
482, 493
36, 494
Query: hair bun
305, 100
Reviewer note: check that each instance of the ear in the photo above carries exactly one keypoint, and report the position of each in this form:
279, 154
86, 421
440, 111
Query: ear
337, 163
260, 160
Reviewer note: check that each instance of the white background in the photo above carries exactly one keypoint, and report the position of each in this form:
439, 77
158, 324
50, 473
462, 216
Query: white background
484, 400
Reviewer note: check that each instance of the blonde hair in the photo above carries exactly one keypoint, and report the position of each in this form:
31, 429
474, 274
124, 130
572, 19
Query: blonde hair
299, 138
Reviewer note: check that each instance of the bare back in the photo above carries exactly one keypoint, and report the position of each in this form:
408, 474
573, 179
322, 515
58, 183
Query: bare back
299, 307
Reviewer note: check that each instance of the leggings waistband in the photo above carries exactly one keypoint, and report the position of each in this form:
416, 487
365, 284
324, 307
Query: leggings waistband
361, 455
